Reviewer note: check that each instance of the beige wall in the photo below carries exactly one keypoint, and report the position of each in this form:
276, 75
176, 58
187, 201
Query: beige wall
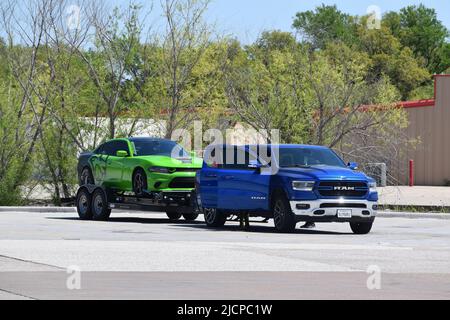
432, 125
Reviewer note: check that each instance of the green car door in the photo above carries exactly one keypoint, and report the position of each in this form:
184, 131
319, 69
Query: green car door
115, 163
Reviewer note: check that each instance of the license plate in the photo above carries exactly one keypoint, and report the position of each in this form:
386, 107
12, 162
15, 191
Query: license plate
344, 214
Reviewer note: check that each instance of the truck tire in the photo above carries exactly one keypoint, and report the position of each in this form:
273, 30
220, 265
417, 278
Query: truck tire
214, 218
100, 207
283, 217
86, 177
361, 227
173, 215
190, 216
139, 182
84, 204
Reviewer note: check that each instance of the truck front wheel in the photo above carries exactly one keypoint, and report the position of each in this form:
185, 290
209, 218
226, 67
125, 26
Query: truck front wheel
214, 218
282, 215
361, 228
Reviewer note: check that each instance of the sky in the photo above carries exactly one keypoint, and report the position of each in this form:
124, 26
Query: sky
246, 19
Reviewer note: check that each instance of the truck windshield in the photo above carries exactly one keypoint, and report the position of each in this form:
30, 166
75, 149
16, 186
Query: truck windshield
308, 157
159, 148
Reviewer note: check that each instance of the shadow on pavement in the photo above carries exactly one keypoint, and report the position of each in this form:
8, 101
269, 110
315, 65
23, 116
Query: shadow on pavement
134, 220
256, 227
267, 228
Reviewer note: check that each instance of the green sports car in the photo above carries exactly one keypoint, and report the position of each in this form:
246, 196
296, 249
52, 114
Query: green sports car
139, 165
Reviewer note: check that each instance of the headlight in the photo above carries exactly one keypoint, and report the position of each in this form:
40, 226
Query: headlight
303, 185
159, 170
372, 186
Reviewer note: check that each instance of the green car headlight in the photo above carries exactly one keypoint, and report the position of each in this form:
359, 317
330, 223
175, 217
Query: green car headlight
303, 185
159, 170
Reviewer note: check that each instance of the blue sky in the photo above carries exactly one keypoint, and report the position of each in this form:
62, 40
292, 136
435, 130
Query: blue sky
246, 19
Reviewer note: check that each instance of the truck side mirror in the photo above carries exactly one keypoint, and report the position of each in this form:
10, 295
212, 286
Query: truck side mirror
255, 164
122, 154
353, 165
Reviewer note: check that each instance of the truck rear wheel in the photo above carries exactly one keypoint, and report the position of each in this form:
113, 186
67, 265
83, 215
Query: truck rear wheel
84, 204
282, 215
100, 206
361, 227
214, 218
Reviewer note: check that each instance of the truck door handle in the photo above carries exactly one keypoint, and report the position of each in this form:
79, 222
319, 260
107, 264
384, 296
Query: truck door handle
228, 177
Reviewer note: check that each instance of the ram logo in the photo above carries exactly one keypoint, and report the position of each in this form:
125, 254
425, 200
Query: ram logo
342, 188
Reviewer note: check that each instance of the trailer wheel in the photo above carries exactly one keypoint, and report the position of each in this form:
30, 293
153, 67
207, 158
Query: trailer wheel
282, 215
84, 204
100, 206
214, 218
190, 216
361, 228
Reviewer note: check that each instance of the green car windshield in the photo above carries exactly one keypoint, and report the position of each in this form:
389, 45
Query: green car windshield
158, 148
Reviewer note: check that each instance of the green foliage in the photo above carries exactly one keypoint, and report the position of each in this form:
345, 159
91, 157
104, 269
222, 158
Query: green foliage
326, 24
418, 28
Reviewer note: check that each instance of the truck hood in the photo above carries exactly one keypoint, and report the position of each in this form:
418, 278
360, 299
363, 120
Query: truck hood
168, 162
324, 173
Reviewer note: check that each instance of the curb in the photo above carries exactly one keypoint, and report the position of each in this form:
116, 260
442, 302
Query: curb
411, 215
39, 209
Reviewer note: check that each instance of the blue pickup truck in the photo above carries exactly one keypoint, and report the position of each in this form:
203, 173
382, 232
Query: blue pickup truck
289, 183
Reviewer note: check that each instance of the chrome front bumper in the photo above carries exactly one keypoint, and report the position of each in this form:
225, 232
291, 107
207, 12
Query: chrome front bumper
328, 208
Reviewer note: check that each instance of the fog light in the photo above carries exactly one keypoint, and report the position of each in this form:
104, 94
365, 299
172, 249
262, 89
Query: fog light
319, 212
303, 206
375, 207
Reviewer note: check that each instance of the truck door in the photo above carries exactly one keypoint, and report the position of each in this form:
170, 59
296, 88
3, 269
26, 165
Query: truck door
208, 179
242, 187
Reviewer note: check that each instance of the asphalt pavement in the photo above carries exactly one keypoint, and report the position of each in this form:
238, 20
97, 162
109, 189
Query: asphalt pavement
144, 256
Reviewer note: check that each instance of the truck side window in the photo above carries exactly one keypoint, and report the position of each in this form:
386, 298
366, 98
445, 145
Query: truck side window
236, 158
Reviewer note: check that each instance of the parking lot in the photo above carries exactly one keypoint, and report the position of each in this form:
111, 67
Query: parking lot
144, 256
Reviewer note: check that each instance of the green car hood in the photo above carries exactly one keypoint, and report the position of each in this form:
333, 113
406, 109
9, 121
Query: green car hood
162, 161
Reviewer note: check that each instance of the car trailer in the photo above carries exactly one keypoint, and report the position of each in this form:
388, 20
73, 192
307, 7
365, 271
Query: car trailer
96, 203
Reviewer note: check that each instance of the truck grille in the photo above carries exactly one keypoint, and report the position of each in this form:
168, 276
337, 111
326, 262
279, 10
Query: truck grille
343, 189
182, 183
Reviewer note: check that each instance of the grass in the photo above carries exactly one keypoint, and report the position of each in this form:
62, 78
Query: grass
415, 209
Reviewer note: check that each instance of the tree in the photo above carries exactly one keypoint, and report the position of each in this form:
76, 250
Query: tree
389, 58
117, 40
418, 28
324, 25
265, 88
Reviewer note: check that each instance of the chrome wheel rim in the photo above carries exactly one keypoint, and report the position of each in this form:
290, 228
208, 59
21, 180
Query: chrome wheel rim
210, 215
83, 204
278, 213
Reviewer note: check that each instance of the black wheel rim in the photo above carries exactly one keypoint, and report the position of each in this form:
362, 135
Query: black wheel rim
278, 213
210, 215
138, 183
85, 177
98, 204
83, 204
